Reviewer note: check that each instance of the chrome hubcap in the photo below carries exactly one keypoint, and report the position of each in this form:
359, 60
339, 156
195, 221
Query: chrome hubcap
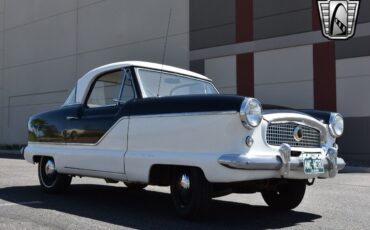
185, 182
184, 190
50, 168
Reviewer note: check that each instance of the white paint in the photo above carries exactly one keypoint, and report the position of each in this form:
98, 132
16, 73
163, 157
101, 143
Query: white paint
223, 73
180, 139
353, 84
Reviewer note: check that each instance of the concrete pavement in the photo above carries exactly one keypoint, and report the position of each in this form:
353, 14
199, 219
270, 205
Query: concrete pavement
340, 203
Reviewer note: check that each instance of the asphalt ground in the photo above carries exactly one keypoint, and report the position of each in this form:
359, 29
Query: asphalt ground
340, 203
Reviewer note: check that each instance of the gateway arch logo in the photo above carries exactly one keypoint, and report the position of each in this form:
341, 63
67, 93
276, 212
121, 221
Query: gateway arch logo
338, 18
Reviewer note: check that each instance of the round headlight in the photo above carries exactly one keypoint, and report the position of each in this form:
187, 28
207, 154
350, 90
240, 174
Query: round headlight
336, 125
251, 112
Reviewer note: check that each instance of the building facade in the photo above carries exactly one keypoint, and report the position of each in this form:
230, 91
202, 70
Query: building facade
272, 50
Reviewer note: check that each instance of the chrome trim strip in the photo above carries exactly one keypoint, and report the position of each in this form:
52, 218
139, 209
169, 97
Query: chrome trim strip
185, 114
92, 170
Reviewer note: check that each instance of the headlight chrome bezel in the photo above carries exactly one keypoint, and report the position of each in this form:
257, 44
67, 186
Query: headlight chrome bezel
333, 122
244, 109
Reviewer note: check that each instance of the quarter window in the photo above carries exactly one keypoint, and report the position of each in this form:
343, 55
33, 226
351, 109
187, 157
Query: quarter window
105, 90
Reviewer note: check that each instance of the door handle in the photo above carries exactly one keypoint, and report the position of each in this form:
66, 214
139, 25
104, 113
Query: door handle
72, 118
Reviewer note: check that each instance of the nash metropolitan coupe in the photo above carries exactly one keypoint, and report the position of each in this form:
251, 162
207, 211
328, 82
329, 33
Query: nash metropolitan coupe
150, 124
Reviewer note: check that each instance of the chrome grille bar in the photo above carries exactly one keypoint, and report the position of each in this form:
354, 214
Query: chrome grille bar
279, 133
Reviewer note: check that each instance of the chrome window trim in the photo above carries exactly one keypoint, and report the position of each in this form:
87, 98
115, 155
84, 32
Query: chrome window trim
123, 76
88, 93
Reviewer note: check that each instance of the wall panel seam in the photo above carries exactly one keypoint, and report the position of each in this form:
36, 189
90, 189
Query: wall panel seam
51, 16
284, 13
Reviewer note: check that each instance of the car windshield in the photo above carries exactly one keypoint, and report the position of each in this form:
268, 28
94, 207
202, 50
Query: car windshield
160, 84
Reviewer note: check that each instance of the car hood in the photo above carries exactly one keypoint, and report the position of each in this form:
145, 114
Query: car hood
208, 103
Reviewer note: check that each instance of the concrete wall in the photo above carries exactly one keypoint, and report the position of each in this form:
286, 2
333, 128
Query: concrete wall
273, 18
353, 83
212, 23
285, 77
223, 73
46, 45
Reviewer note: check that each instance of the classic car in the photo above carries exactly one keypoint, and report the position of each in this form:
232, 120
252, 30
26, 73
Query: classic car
151, 124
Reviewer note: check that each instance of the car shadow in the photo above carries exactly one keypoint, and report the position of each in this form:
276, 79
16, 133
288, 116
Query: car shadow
149, 209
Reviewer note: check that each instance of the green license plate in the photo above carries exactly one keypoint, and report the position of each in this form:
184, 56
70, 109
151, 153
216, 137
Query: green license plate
313, 163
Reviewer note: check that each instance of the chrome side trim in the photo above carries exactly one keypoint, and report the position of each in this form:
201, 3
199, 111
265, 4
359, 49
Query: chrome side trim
185, 114
92, 170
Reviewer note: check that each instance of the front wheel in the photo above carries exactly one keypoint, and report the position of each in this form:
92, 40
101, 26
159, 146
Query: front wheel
50, 180
285, 196
191, 193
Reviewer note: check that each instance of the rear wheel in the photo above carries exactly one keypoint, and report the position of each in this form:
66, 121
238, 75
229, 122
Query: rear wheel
286, 196
191, 193
50, 180
134, 186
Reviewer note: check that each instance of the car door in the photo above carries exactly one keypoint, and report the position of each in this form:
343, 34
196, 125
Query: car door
97, 130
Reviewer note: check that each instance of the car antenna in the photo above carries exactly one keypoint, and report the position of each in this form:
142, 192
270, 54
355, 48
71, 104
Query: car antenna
164, 50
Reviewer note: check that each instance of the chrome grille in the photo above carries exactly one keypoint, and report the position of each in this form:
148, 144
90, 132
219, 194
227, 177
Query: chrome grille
279, 133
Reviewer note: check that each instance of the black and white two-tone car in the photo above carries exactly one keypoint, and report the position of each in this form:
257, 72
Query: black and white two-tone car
150, 124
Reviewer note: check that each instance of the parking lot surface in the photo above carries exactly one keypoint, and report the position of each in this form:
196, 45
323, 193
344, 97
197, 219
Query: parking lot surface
340, 203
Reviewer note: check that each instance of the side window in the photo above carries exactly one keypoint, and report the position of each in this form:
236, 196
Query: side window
128, 91
105, 90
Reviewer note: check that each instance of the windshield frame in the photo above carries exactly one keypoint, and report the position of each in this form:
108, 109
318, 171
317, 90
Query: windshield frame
72, 95
142, 90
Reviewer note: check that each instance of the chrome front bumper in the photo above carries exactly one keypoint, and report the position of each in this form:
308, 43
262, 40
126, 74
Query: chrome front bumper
283, 162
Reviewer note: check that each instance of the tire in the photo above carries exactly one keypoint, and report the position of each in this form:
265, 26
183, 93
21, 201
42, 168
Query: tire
286, 196
50, 180
191, 193
134, 186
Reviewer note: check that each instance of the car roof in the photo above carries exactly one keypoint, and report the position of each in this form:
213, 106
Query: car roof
85, 82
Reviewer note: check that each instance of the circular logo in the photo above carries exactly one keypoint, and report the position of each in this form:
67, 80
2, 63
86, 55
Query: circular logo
298, 133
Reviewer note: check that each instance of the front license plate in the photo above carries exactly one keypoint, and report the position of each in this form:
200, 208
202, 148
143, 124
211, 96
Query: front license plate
312, 163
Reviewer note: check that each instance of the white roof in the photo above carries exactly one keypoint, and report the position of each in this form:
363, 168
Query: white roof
85, 82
